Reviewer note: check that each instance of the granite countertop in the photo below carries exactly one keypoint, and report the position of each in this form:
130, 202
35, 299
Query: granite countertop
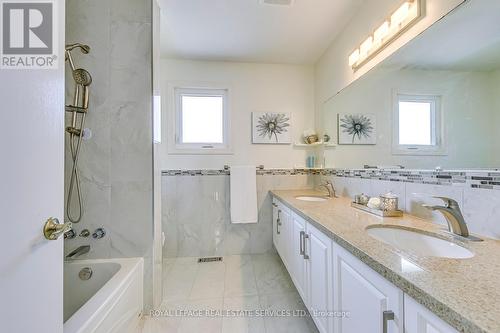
463, 292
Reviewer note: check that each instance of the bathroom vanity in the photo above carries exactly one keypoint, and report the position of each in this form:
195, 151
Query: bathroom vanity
351, 282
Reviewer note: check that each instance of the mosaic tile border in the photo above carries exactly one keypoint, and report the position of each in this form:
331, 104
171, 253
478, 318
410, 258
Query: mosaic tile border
489, 179
476, 179
223, 172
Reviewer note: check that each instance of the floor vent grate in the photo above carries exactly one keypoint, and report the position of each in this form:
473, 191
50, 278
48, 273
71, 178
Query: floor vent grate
209, 259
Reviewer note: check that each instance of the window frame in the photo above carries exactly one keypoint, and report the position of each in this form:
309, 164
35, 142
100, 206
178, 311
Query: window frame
437, 126
176, 146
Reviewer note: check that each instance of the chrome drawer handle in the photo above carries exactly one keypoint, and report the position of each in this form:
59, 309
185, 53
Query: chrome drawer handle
306, 236
386, 316
278, 223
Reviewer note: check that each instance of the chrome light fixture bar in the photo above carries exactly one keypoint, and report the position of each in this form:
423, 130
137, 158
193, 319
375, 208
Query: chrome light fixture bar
409, 13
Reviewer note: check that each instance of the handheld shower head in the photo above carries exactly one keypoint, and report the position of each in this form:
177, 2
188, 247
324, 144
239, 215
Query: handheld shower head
82, 77
83, 47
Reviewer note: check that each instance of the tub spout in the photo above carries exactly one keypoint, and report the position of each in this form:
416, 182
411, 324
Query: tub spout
78, 251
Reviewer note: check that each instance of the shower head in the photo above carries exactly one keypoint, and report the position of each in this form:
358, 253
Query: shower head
82, 77
84, 48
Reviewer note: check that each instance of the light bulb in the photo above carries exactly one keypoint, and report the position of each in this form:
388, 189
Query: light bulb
365, 47
381, 33
354, 57
400, 14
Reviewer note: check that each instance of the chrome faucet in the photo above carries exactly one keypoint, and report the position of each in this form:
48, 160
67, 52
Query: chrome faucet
329, 187
78, 251
453, 215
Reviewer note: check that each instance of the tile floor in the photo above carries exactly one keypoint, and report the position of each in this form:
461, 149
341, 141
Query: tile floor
245, 282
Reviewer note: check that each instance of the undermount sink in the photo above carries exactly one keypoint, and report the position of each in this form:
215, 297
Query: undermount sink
419, 243
311, 198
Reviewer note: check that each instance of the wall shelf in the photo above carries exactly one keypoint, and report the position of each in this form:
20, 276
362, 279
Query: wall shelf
316, 144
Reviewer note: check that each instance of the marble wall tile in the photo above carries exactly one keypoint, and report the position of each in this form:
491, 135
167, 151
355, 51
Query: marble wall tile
345, 186
359, 185
480, 207
196, 216
481, 210
134, 11
341, 185
378, 187
116, 162
419, 194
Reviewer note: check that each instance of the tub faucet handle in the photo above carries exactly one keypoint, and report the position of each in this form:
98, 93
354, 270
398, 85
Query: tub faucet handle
53, 228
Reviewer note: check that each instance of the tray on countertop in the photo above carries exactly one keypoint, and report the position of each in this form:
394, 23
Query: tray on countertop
378, 212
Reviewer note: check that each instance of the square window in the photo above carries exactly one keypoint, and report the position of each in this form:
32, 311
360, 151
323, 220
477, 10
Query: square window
417, 125
202, 119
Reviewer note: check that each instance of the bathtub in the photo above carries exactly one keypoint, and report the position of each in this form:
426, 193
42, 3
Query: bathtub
110, 300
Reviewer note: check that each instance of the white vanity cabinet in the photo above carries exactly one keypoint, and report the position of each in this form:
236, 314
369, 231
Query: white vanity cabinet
374, 304
330, 279
307, 254
420, 320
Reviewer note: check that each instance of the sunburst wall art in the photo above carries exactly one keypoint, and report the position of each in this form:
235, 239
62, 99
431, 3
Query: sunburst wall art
357, 129
272, 128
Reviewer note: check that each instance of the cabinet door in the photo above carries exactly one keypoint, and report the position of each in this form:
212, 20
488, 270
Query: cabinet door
285, 236
319, 278
420, 320
297, 262
365, 295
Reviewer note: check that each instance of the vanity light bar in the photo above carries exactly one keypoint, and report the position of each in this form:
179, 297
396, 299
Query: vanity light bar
400, 20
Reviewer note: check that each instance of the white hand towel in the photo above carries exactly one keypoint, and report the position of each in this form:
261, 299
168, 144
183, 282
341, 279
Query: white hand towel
243, 187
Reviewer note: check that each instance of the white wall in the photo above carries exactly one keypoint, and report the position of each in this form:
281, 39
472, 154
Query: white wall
332, 70
467, 106
253, 87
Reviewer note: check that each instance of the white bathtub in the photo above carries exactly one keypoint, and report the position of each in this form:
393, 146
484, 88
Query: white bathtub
110, 301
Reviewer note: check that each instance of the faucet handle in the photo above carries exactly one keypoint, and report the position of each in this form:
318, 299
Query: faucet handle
53, 228
450, 203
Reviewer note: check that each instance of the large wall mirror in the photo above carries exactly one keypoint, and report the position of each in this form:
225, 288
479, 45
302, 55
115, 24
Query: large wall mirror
434, 103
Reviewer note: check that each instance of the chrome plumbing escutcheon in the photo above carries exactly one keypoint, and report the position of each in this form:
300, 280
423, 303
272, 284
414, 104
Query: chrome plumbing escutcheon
84, 233
70, 234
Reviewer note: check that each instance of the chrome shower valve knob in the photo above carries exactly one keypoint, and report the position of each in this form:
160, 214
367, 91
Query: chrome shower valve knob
99, 233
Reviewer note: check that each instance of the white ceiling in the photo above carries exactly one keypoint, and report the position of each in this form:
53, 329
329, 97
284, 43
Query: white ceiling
248, 31
466, 39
